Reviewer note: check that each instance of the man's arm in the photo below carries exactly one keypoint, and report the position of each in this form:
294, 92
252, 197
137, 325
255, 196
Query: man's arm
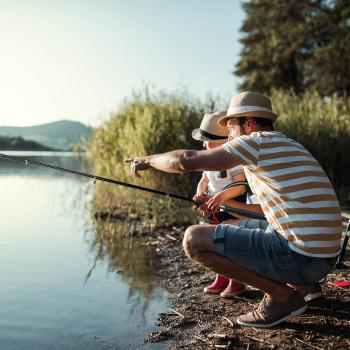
183, 161
256, 208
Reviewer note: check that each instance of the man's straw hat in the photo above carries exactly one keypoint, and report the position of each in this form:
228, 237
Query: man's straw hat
210, 129
249, 104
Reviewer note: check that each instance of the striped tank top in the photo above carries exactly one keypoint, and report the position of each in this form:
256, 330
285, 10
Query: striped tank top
293, 190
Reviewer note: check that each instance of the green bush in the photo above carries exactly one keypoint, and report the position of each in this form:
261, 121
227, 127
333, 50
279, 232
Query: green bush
322, 125
147, 125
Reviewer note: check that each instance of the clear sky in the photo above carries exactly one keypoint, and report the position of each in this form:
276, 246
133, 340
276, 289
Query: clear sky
78, 59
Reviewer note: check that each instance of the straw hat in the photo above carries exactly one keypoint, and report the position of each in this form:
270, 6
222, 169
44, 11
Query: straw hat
210, 129
249, 104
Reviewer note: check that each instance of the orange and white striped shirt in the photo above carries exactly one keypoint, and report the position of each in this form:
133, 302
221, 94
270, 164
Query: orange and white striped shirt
293, 190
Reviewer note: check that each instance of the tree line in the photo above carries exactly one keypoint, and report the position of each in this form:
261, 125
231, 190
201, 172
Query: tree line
296, 45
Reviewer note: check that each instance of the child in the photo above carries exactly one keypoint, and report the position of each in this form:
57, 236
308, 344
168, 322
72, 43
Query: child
213, 183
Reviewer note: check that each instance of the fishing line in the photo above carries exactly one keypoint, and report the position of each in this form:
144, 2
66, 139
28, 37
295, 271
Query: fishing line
22, 160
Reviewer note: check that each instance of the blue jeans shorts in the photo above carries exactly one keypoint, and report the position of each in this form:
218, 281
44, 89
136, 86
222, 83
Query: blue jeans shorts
256, 246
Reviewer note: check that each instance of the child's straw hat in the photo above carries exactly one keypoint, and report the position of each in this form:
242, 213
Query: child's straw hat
210, 129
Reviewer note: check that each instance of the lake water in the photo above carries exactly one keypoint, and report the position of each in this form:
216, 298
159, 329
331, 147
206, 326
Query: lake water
63, 285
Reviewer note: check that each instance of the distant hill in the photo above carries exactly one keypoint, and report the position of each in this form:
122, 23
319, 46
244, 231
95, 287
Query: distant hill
62, 134
18, 144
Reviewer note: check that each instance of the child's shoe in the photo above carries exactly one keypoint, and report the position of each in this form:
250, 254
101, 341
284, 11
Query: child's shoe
233, 289
217, 286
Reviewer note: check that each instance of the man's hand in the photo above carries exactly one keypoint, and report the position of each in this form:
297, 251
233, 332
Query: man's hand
137, 164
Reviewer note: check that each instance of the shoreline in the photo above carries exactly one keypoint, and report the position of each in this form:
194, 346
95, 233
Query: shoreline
197, 320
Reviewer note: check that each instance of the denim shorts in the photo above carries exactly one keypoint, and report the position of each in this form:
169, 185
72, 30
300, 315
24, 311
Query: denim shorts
255, 245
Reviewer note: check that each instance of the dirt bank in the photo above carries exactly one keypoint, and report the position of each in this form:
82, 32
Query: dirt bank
200, 321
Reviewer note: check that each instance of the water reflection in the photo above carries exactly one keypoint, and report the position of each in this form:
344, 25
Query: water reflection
60, 282
136, 263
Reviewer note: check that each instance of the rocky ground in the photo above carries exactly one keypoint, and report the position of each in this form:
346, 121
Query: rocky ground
200, 321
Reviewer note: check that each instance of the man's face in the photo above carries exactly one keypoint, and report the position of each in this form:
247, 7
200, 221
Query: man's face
234, 129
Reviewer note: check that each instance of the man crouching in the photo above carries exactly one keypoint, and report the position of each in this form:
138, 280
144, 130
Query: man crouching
287, 258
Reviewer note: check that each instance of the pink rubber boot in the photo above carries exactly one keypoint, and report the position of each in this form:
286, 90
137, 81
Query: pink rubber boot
217, 286
233, 289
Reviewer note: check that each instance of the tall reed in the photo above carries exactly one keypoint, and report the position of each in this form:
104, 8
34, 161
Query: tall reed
148, 124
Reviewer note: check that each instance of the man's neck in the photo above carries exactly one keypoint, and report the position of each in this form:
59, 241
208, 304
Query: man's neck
261, 128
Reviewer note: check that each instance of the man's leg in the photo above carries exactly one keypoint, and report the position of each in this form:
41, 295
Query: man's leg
199, 247
281, 303
232, 287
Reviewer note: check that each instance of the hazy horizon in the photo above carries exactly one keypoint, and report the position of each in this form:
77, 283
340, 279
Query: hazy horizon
39, 124
79, 60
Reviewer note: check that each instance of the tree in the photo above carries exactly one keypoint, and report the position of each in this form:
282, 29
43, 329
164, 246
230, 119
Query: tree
329, 66
294, 45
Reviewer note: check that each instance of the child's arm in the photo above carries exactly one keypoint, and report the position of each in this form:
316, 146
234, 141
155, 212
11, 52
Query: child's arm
222, 196
202, 187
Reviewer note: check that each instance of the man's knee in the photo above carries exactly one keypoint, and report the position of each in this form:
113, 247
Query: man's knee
198, 238
189, 240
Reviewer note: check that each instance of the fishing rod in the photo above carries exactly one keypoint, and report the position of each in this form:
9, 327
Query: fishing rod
94, 177
22, 160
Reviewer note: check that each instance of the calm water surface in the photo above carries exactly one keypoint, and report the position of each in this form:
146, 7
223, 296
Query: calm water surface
63, 285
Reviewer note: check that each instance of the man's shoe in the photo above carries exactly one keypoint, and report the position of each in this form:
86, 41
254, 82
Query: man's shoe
233, 289
270, 313
217, 286
310, 292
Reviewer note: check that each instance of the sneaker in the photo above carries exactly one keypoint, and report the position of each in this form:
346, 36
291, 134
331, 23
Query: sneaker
217, 286
310, 292
270, 313
233, 289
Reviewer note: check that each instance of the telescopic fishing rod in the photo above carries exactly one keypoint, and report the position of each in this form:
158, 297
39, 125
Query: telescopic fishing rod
22, 160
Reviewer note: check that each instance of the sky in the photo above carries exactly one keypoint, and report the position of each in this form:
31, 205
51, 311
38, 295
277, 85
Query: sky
78, 59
